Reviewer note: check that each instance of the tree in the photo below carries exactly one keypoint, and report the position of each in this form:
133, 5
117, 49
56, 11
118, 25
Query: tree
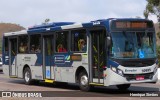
158, 34
152, 7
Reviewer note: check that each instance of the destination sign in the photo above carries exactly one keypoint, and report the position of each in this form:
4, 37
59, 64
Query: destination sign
131, 24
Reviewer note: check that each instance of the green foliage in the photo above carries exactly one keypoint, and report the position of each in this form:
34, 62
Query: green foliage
158, 34
152, 7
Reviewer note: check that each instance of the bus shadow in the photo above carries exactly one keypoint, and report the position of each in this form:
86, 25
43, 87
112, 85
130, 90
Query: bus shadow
111, 90
1, 72
132, 89
43, 84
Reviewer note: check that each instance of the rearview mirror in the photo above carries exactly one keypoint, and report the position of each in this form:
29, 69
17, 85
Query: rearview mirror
108, 40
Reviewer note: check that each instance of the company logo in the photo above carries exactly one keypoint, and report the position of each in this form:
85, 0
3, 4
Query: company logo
6, 94
21, 94
130, 70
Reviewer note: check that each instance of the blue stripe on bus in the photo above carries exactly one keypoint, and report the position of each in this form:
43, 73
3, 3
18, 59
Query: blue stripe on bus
112, 63
44, 30
39, 60
55, 24
59, 60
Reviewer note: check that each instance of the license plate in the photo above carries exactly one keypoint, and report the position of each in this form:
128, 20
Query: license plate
138, 78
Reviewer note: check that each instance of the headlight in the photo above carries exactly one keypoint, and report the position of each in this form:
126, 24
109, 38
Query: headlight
118, 71
155, 69
114, 69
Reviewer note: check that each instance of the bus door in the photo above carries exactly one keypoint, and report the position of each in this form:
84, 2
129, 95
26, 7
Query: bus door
98, 55
12, 56
47, 57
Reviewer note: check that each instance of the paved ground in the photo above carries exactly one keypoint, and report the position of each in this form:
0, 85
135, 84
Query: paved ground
62, 91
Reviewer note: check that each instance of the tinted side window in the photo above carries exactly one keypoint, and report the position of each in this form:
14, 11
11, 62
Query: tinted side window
35, 43
23, 44
62, 41
79, 40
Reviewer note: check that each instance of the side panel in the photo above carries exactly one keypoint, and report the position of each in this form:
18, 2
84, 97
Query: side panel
67, 74
13, 66
6, 69
34, 61
20, 64
58, 76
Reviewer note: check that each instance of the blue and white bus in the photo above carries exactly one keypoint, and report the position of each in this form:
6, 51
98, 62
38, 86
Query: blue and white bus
98, 53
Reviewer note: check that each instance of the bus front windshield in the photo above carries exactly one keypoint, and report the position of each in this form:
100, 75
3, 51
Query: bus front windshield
133, 45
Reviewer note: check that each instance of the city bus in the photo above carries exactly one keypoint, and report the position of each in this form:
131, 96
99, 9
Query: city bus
114, 51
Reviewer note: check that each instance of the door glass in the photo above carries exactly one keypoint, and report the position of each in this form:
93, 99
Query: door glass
98, 53
13, 47
6, 45
48, 46
95, 55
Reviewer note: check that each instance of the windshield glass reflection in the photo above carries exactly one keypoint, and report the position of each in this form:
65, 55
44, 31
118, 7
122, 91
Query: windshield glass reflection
133, 45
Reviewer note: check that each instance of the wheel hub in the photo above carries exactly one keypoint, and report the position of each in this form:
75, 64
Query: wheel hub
27, 76
84, 80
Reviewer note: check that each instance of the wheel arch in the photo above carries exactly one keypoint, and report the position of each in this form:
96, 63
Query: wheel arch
78, 71
25, 66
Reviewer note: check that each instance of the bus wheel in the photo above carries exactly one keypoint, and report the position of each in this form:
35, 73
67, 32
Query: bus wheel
83, 82
27, 76
123, 86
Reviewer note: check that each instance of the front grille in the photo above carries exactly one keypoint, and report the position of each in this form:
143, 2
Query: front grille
132, 77
136, 62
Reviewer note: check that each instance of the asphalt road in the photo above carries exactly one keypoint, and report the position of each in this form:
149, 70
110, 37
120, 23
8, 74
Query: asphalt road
71, 91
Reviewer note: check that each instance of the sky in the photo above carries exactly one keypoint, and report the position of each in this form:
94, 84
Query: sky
34, 12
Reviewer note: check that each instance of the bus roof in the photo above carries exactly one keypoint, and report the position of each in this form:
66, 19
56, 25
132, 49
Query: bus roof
58, 26
55, 24
15, 33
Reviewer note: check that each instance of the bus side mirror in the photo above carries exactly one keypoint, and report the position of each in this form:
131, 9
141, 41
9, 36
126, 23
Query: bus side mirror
108, 40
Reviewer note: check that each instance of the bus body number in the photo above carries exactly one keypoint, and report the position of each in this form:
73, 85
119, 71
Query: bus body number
96, 23
146, 70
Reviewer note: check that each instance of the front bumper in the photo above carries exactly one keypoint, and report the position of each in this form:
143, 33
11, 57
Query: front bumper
112, 78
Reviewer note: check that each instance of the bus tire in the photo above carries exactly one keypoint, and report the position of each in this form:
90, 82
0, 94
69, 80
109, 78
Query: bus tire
27, 76
84, 82
123, 86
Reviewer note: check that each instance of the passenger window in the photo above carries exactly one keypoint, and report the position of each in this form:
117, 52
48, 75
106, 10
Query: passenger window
79, 40
35, 41
23, 44
62, 41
